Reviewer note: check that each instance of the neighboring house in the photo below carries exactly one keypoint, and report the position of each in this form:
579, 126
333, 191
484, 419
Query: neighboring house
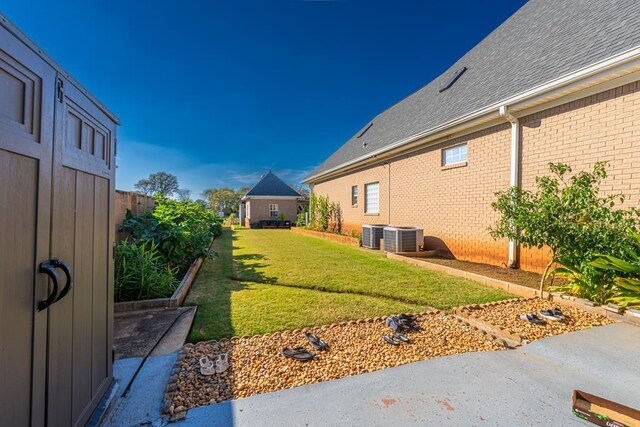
557, 82
270, 199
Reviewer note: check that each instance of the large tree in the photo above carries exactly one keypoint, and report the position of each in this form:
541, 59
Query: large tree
224, 199
183, 194
158, 183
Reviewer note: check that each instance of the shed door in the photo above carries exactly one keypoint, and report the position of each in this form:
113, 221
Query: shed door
82, 233
27, 86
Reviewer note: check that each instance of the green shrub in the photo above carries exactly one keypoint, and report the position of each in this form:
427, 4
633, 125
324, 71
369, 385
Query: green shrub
182, 230
568, 215
324, 215
141, 273
627, 274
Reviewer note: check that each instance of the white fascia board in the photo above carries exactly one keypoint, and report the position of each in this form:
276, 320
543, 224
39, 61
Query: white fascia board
611, 68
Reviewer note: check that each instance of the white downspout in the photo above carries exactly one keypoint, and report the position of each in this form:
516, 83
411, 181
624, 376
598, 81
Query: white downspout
514, 180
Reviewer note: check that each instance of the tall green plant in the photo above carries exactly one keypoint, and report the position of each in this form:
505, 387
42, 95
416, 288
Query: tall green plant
141, 273
627, 274
567, 214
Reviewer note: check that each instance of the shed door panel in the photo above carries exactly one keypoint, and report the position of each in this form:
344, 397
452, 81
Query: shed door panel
82, 235
27, 86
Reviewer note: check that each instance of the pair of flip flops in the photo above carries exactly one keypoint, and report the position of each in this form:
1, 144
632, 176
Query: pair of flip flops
554, 315
301, 353
209, 367
402, 322
396, 339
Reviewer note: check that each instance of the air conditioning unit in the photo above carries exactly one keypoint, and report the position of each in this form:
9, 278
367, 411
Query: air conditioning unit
403, 239
371, 235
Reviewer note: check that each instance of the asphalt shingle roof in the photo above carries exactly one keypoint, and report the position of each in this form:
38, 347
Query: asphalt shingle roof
543, 40
271, 185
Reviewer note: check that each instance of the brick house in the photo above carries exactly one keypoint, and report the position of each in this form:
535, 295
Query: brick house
553, 83
270, 199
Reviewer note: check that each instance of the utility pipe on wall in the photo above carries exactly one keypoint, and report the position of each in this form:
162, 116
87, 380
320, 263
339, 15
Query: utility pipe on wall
514, 180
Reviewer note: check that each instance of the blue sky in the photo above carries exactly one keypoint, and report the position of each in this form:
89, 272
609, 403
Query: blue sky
218, 92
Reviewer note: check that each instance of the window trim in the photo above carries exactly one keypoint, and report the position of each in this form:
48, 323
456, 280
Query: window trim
446, 165
272, 211
354, 187
367, 210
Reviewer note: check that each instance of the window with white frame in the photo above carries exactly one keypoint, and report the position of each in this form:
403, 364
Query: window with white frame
454, 155
248, 207
372, 197
354, 195
273, 210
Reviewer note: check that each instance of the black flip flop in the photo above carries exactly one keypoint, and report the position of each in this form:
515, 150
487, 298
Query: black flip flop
408, 324
532, 318
400, 337
316, 342
391, 340
299, 353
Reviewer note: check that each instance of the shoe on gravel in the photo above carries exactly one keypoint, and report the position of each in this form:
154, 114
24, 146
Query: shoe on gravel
532, 318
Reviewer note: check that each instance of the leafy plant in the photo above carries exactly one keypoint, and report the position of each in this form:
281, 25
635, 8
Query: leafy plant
568, 215
324, 215
182, 230
141, 273
627, 274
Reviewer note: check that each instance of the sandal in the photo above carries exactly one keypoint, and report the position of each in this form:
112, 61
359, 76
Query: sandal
532, 318
206, 366
392, 322
222, 363
400, 337
316, 342
391, 340
299, 353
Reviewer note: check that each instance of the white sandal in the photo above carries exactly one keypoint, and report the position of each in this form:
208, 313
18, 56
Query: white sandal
222, 363
206, 366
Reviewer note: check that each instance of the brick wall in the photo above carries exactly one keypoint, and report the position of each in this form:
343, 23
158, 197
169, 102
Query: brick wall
259, 210
453, 205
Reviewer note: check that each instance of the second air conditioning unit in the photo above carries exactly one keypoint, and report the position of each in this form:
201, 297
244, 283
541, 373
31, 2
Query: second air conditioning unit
403, 239
371, 235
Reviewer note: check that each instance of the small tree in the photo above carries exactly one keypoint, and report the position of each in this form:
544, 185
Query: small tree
568, 215
183, 194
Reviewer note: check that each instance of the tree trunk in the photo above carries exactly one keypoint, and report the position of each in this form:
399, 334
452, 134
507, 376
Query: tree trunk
544, 275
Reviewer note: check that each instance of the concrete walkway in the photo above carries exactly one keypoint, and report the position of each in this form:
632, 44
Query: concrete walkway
528, 386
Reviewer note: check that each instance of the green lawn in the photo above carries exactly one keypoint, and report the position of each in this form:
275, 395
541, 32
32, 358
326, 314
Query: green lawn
269, 280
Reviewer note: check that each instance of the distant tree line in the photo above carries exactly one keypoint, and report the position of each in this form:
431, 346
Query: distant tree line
223, 199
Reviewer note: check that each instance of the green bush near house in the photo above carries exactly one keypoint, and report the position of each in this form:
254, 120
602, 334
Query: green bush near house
567, 214
141, 272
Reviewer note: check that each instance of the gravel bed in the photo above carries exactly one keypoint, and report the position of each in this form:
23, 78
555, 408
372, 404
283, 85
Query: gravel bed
257, 365
505, 315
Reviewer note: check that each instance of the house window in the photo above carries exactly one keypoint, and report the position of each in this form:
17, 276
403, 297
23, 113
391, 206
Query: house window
248, 209
372, 197
354, 195
453, 155
273, 210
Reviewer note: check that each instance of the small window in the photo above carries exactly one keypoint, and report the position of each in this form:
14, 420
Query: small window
273, 210
372, 197
454, 155
354, 195
248, 209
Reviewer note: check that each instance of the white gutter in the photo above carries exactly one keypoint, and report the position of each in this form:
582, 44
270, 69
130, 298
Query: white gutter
622, 63
514, 180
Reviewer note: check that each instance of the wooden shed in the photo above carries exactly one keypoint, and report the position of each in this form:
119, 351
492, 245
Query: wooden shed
57, 177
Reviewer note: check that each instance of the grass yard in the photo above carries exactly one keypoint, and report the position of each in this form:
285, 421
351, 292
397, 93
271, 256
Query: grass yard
270, 280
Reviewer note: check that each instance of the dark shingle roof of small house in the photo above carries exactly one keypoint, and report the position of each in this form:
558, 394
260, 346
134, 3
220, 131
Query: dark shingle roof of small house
542, 41
271, 185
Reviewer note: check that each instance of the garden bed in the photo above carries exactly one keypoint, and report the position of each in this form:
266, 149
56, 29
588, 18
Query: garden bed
341, 238
502, 317
257, 365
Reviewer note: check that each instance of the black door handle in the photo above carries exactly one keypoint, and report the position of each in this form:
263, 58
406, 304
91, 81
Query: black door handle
49, 269
67, 272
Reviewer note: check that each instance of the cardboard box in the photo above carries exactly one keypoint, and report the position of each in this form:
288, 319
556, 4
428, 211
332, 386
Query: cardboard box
604, 412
